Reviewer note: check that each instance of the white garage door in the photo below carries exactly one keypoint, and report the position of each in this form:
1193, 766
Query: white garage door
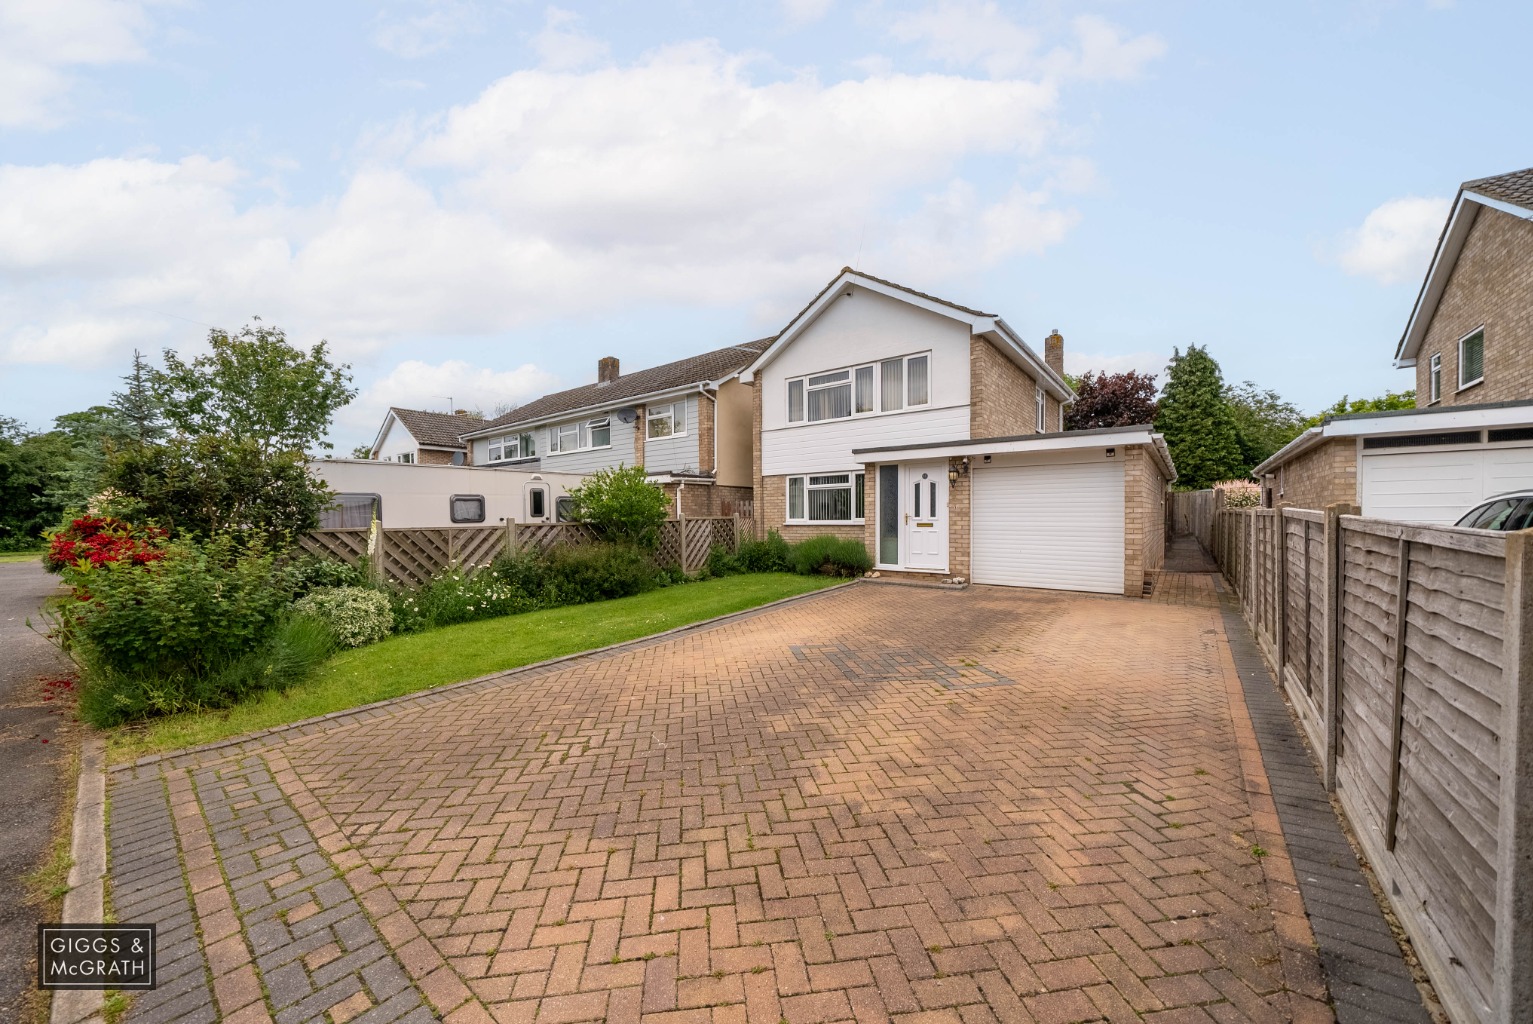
1059, 527
1439, 486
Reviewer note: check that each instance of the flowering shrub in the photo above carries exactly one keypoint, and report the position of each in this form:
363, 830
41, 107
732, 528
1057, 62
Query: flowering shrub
102, 540
355, 615
1240, 493
451, 596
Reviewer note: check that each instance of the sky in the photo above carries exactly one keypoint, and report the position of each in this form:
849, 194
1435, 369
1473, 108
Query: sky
472, 201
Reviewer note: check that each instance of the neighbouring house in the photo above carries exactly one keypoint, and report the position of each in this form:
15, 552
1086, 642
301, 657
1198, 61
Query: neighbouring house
1470, 340
932, 433
431, 438
688, 423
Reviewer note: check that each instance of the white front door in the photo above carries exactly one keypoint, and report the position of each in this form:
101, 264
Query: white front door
924, 501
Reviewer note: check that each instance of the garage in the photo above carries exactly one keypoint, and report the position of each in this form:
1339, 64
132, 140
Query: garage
1440, 485
1055, 525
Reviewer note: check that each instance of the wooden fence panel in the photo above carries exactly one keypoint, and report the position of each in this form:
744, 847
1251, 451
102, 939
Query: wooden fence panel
346, 545
547, 536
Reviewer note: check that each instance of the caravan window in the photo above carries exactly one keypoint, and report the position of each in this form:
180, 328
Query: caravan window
537, 503
564, 509
467, 508
351, 512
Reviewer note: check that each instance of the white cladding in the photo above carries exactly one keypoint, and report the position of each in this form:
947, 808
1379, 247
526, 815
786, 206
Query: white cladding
1439, 486
420, 496
864, 328
1050, 522
675, 453
396, 441
618, 453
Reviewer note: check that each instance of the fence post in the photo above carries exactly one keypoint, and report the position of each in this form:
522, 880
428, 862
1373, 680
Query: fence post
510, 536
1512, 980
1335, 553
1397, 715
1280, 586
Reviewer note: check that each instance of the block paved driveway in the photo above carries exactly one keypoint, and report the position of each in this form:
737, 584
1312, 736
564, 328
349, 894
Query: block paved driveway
877, 803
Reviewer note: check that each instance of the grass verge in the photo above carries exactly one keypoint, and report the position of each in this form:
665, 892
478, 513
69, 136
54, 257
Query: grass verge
422, 661
35, 555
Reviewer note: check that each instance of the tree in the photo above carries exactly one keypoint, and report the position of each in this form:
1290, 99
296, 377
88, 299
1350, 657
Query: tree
90, 436
1196, 419
362, 451
1112, 400
254, 385
136, 405
622, 505
1264, 422
28, 464
1388, 401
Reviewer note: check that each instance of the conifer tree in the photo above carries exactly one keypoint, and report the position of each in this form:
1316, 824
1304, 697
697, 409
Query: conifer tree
1196, 419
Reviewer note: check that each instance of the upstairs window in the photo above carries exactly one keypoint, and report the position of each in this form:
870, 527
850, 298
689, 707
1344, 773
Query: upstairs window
1435, 378
666, 420
512, 446
580, 436
1040, 407
1471, 358
886, 386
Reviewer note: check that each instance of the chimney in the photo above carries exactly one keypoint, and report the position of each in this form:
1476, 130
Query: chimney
1054, 352
460, 412
606, 369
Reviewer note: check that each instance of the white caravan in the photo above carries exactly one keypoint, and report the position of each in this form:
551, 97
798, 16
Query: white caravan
419, 496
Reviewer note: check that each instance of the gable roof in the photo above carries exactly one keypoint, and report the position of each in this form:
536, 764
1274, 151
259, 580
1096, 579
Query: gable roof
717, 365
986, 325
1510, 193
433, 429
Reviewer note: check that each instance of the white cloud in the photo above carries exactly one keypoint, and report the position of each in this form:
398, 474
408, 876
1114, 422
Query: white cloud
677, 178
806, 12
975, 34
419, 28
419, 385
43, 44
1396, 239
563, 46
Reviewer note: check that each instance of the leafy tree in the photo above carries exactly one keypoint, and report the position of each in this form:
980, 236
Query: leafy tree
136, 405
622, 505
220, 484
90, 436
1112, 400
1196, 419
28, 464
254, 385
1387, 402
362, 451
1264, 422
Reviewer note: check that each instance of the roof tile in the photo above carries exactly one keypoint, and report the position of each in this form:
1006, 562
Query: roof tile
1515, 187
439, 429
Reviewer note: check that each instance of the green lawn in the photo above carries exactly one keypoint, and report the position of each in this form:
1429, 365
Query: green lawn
22, 556
405, 664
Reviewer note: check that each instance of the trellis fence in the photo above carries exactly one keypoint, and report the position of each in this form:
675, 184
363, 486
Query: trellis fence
412, 556
1407, 652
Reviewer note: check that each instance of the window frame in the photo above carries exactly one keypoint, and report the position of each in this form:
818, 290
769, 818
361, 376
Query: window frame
520, 445
1040, 408
452, 507
541, 492
653, 414
856, 487
1462, 383
1435, 378
581, 429
797, 388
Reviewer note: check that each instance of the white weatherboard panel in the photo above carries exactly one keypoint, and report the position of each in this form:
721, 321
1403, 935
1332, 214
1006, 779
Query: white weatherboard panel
827, 447
1057, 527
1439, 486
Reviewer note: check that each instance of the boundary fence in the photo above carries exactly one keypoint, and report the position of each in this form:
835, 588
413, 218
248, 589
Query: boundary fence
1407, 653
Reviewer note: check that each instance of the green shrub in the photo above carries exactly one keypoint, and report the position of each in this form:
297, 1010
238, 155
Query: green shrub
451, 597
830, 556
622, 506
722, 563
198, 608
313, 572
770, 555
597, 572
524, 571
355, 615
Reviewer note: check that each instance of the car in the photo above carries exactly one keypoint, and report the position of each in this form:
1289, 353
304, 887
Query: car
1503, 513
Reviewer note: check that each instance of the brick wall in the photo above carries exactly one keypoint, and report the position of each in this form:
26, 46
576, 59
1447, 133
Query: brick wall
756, 481
433, 457
640, 430
1325, 474
1492, 284
958, 521
707, 410
1144, 517
1000, 394
700, 499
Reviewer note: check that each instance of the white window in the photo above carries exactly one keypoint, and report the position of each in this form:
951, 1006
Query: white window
406, 457
580, 436
599, 433
512, 446
826, 498
886, 386
1041, 405
666, 420
1471, 358
1435, 378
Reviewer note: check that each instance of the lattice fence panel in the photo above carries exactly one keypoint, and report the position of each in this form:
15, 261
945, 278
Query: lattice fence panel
348, 546
669, 551
696, 541
412, 557
547, 536
477, 547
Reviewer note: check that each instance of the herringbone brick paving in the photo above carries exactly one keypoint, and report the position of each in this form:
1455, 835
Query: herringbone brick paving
883, 803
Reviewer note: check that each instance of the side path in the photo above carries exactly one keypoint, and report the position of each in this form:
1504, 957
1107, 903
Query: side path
1368, 978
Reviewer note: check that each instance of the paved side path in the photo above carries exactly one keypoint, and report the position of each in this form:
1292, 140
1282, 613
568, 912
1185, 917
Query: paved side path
34, 755
878, 803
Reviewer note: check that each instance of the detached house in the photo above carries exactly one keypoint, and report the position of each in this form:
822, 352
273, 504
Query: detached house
1469, 340
933, 433
688, 423
430, 438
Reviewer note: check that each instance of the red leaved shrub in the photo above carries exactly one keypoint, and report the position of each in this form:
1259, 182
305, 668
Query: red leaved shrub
98, 540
